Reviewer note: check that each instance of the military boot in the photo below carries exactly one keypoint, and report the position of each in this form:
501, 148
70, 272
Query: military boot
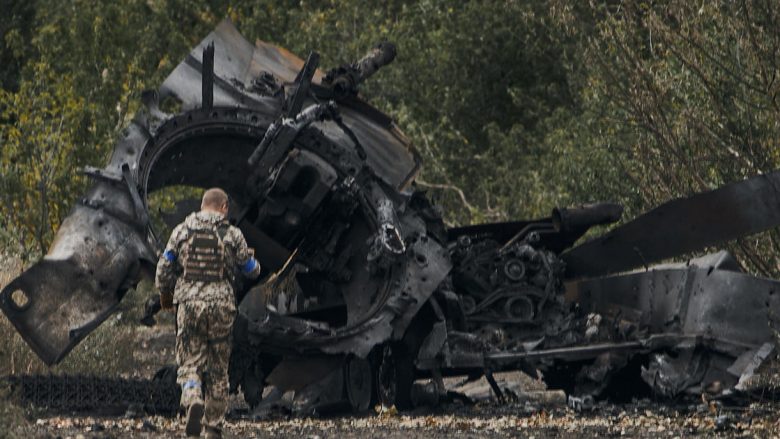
192, 401
213, 433
194, 418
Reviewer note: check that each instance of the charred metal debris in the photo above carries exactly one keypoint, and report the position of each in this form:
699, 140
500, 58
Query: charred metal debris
367, 292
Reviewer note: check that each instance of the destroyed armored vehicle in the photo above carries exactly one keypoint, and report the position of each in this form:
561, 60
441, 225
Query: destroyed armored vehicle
365, 289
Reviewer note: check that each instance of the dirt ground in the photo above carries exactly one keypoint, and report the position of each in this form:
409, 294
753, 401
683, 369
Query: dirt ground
485, 420
154, 346
121, 347
482, 421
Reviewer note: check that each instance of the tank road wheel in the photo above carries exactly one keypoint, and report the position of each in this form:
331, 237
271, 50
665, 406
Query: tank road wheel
395, 376
358, 377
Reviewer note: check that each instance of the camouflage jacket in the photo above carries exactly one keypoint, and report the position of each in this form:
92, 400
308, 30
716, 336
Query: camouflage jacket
238, 258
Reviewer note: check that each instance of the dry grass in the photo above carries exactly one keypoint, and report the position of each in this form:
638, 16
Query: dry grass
11, 416
108, 350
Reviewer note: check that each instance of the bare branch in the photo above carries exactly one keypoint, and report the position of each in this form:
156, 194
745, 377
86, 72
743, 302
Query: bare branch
450, 187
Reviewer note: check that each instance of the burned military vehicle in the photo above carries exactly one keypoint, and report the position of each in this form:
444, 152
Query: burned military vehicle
366, 290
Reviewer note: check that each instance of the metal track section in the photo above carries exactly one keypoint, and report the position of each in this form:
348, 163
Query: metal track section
91, 394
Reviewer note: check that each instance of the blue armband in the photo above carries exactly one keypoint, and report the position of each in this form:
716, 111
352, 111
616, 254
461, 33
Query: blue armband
191, 384
169, 255
249, 266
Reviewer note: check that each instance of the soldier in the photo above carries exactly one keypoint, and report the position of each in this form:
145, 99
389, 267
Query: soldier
194, 273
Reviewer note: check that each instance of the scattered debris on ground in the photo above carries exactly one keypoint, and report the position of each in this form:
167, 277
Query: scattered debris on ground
642, 418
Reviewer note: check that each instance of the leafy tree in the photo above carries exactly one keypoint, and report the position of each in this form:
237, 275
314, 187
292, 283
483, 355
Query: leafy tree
515, 106
15, 31
689, 91
40, 157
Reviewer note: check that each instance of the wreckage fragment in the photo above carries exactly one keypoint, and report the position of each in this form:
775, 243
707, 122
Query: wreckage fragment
681, 226
370, 291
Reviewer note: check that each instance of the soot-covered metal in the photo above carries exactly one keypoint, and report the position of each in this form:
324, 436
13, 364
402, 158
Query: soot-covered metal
366, 290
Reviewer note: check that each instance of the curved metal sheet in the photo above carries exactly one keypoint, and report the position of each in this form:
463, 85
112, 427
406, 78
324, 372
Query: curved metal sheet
93, 261
681, 226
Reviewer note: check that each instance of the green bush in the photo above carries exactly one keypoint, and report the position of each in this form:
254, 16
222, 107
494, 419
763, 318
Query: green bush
514, 106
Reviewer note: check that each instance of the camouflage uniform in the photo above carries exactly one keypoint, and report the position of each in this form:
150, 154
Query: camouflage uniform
205, 310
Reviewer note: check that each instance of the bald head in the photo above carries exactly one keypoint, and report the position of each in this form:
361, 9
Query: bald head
215, 200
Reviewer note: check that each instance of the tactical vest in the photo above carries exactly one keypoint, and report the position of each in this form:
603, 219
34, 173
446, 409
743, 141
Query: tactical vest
204, 254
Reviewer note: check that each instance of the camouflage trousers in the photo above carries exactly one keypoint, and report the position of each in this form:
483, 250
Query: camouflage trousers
203, 344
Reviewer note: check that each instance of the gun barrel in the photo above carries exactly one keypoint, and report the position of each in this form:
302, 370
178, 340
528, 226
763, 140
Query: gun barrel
345, 79
381, 55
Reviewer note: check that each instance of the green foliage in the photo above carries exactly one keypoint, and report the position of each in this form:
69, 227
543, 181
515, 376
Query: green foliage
473, 85
41, 151
514, 106
689, 92
16, 31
